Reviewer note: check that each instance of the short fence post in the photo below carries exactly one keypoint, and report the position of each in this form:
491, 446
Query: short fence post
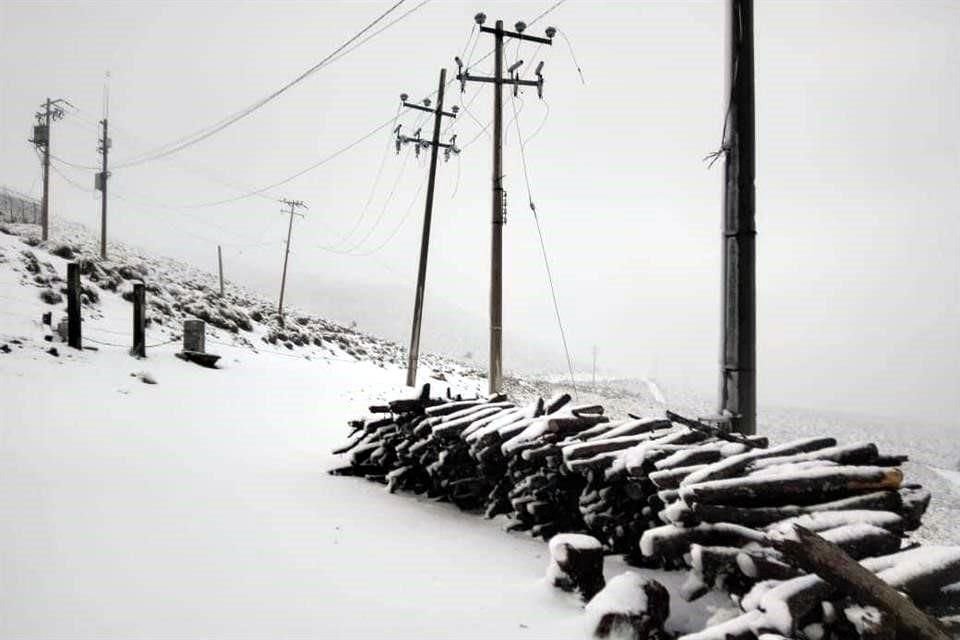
139, 349
194, 336
73, 306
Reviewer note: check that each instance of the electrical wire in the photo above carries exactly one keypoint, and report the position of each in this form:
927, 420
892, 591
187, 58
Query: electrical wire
573, 56
376, 224
545, 12
400, 225
211, 130
376, 183
543, 250
301, 172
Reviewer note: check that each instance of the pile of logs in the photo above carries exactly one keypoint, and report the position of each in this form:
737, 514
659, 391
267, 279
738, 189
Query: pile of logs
481, 454
670, 493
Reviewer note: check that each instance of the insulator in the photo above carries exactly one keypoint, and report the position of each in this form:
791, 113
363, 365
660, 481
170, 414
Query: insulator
426, 102
516, 65
551, 31
480, 18
454, 109
520, 26
403, 97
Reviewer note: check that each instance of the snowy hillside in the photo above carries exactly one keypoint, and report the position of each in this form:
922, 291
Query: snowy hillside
200, 506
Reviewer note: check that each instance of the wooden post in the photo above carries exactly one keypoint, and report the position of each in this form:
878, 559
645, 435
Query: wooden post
220, 262
74, 338
738, 354
139, 349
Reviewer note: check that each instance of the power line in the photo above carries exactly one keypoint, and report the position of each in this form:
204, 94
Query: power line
211, 130
299, 173
543, 248
376, 224
373, 187
389, 237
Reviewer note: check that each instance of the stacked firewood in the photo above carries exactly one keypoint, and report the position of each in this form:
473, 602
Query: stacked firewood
723, 519
619, 461
671, 493
480, 454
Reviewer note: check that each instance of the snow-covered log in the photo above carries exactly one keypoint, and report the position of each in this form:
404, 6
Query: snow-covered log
762, 516
630, 607
800, 487
816, 554
576, 564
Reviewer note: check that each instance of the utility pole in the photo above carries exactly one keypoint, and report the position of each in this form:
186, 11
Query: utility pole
52, 110
738, 378
496, 253
101, 184
594, 366
294, 205
220, 264
435, 145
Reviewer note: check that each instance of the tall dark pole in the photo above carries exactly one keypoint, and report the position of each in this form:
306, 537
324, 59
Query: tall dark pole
45, 204
738, 381
104, 149
496, 246
414, 354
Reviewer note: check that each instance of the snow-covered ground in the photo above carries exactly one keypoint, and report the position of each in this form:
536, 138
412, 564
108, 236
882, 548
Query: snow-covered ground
200, 506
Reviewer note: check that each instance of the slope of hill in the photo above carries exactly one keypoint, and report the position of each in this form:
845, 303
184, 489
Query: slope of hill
199, 505
176, 291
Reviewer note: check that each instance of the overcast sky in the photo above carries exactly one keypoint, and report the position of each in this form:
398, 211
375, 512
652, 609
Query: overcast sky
858, 176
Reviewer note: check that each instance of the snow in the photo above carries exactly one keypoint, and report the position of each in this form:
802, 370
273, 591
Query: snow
575, 540
201, 507
623, 594
823, 520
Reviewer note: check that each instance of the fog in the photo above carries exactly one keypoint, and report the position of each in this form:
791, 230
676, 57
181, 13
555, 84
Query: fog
858, 176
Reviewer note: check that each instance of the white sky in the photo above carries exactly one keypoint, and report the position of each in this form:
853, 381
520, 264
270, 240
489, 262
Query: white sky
858, 176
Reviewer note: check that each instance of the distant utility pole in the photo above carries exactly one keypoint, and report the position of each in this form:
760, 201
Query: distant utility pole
52, 110
738, 377
496, 257
594, 366
294, 205
220, 264
434, 144
101, 184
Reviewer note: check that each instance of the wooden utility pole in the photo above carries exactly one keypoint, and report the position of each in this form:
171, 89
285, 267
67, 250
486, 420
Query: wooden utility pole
101, 184
594, 366
738, 381
220, 264
496, 253
51, 111
294, 205
438, 113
